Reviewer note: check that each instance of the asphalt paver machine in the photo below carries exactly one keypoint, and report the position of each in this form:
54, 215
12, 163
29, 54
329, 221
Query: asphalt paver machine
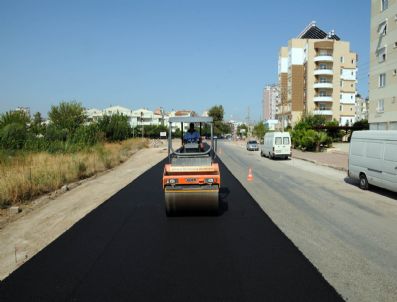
191, 179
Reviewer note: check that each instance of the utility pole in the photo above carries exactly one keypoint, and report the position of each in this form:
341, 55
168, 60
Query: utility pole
162, 115
142, 123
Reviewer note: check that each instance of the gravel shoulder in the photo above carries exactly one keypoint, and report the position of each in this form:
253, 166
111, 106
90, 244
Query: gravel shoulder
48, 218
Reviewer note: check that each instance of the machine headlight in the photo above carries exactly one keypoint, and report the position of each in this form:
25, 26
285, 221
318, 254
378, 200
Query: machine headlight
209, 180
172, 181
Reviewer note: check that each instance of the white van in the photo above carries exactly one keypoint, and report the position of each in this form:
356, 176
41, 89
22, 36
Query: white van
276, 144
373, 158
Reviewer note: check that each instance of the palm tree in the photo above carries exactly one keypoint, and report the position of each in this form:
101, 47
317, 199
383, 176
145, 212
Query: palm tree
320, 138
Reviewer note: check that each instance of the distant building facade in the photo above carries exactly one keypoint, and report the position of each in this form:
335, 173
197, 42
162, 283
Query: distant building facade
362, 108
317, 75
25, 110
270, 97
383, 67
139, 117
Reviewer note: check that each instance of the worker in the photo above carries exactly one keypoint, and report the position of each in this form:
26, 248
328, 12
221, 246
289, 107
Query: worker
191, 136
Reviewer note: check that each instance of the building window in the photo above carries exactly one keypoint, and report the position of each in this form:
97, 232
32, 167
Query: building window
353, 61
341, 83
395, 44
381, 106
342, 59
382, 28
341, 107
382, 80
384, 5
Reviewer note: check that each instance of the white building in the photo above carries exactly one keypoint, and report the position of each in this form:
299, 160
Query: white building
136, 118
93, 114
181, 113
271, 124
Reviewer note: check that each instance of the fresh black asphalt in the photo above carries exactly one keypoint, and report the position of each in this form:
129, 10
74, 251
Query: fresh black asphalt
128, 250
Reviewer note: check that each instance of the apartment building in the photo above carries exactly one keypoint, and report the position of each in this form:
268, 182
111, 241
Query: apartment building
317, 75
270, 97
25, 110
136, 118
383, 66
362, 107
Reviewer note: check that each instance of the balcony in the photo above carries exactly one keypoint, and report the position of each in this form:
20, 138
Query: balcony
326, 84
323, 98
323, 72
324, 58
324, 111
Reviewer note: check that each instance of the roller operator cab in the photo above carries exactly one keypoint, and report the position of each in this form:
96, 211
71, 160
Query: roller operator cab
191, 179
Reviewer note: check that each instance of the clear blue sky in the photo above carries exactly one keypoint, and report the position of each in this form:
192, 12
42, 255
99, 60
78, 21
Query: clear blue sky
175, 54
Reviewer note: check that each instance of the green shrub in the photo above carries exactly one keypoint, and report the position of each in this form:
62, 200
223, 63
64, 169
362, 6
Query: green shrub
67, 115
87, 135
310, 140
53, 133
13, 136
310, 121
12, 117
115, 127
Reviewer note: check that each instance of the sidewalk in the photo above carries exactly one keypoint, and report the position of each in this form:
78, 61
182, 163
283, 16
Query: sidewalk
334, 159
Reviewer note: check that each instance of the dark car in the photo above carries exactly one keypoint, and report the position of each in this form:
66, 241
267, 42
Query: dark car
252, 146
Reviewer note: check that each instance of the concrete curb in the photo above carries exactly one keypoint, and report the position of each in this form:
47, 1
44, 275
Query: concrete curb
320, 163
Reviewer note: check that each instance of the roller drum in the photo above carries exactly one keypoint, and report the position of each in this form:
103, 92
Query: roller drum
191, 200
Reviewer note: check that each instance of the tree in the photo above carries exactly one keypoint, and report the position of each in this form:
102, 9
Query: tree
216, 112
36, 124
320, 138
259, 130
333, 129
18, 117
115, 127
67, 115
13, 136
243, 127
361, 125
310, 121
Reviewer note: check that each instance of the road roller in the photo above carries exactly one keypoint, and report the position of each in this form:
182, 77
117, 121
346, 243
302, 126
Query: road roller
191, 178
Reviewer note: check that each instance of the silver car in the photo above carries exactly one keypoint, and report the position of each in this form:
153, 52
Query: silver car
252, 146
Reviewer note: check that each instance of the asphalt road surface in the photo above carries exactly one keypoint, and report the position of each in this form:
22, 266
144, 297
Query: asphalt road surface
349, 234
128, 250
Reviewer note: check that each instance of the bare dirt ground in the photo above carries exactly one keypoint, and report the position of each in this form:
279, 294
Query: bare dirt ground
45, 219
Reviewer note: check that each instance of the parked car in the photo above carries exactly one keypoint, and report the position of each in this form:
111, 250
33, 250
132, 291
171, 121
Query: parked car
276, 144
373, 158
252, 146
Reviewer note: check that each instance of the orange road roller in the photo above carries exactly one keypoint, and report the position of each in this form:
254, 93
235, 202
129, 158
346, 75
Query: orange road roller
191, 179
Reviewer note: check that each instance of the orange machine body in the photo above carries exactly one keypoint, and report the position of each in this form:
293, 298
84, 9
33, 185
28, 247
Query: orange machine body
191, 175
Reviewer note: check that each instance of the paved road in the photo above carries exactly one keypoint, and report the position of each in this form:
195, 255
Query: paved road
350, 235
127, 250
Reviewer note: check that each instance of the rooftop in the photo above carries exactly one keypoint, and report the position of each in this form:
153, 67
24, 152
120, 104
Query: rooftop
312, 31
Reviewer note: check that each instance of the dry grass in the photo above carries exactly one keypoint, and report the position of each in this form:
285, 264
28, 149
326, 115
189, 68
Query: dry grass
25, 176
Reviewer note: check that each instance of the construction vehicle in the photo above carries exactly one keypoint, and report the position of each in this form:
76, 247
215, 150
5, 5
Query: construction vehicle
191, 179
